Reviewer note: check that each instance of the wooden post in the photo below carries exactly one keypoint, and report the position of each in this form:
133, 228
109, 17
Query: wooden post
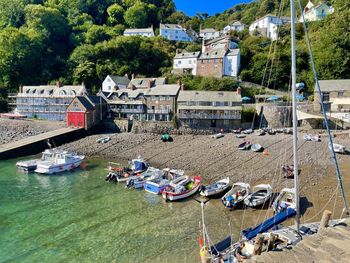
325, 218
271, 242
259, 241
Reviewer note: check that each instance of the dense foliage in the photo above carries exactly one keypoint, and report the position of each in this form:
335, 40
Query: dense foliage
80, 40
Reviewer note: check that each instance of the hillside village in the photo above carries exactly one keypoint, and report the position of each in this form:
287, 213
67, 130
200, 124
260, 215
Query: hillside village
138, 98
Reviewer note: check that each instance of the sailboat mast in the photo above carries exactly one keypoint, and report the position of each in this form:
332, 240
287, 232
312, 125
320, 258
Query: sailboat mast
295, 121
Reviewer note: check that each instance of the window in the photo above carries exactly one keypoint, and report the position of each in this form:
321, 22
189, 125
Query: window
202, 61
167, 98
179, 62
190, 62
109, 87
325, 96
208, 61
215, 61
340, 93
176, 37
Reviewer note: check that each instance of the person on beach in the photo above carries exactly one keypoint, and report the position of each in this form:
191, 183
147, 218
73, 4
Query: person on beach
239, 255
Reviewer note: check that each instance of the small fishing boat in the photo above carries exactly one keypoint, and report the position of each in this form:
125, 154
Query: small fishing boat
286, 199
309, 137
216, 188
182, 190
248, 131
156, 186
150, 174
271, 131
138, 165
166, 137
237, 131
287, 131
288, 171
218, 135
245, 145
115, 170
179, 181
260, 132
260, 195
280, 130
240, 136
60, 162
103, 139
236, 195
256, 147
338, 148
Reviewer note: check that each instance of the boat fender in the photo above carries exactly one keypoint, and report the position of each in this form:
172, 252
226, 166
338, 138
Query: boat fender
126, 175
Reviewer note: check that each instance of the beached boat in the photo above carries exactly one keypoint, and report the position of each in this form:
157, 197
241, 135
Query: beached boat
248, 131
216, 188
217, 136
150, 174
138, 165
166, 137
260, 195
256, 147
156, 186
309, 137
338, 148
236, 195
288, 131
271, 131
182, 189
285, 199
288, 171
245, 145
260, 132
60, 162
115, 170
103, 139
237, 131
240, 136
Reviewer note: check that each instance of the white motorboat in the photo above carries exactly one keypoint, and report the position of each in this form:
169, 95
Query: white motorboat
30, 165
248, 131
103, 139
138, 165
217, 136
240, 136
256, 147
260, 132
183, 189
284, 200
338, 148
260, 195
216, 188
150, 174
180, 181
59, 162
313, 138
156, 186
236, 195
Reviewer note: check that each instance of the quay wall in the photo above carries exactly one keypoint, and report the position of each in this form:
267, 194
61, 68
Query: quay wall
17, 149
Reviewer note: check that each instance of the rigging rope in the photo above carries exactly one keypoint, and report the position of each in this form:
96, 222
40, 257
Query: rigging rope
335, 161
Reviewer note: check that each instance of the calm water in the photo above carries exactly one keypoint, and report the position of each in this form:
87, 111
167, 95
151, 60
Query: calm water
78, 217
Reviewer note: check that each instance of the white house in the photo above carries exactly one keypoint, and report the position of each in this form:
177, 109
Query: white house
313, 12
174, 32
232, 62
145, 32
113, 83
186, 62
209, 33
268, 25
236, 26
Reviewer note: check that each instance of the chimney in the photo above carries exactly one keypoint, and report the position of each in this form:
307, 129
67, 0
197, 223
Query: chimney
126, 75
132, 76
20, 90
58, 84
182, 87
239, 91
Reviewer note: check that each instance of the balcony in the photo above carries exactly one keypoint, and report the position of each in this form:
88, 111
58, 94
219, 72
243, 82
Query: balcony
209, 116
115, 110
158, 111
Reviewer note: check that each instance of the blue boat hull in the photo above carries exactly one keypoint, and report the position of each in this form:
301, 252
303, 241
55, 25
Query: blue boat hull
154, 189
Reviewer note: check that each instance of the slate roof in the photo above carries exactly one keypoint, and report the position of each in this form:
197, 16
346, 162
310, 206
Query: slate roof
86, 103
187, 55
120, 80
212, 54
193, 95
171, 26
54, 91
164, 90
208, 30
334, 85
139, 30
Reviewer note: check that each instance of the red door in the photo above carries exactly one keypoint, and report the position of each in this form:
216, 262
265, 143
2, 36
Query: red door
76, 119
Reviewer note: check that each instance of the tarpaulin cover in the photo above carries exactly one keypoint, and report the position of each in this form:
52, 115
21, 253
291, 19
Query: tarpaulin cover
250, 233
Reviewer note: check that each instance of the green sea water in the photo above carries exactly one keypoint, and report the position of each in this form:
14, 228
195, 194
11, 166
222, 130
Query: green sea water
78, 217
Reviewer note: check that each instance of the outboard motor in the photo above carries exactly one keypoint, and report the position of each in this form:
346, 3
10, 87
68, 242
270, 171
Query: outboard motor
129, 183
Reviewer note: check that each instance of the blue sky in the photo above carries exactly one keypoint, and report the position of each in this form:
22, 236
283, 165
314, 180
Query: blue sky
191, 7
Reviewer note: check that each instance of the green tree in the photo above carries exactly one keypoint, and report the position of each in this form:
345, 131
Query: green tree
115, 14
136, 16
